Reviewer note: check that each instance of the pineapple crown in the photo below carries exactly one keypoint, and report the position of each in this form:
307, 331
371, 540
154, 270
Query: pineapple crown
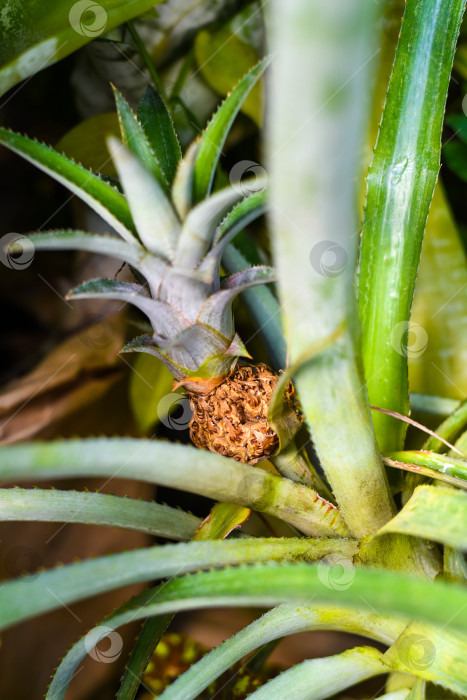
172, 231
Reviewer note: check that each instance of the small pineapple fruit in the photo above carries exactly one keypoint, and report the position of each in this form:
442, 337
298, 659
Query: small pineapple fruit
172, 233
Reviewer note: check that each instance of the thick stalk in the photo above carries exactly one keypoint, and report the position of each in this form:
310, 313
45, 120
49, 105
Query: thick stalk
401, 182
321, 52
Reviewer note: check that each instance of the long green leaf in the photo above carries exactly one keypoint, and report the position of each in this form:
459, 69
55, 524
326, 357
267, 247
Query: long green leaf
136, 140
147, 641
97, 509
400, 187
176, 466
107, 201
275, 624
200, 226
449, 466
164, 318
32, 595
449, 429
241, 215
69, 239
33, 38
436, 655
434, 513
316, 679
390, 594
313, 233
154, 217
215, 134
158, 126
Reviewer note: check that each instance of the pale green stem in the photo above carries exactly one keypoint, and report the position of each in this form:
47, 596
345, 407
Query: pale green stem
321, 52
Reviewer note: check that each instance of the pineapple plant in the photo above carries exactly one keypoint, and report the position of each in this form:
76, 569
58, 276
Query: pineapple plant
381, 558
172, 231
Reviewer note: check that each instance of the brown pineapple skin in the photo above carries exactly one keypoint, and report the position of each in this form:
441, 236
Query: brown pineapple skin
232, 419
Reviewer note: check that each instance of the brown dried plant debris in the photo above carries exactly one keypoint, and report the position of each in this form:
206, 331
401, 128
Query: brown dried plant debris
232, 419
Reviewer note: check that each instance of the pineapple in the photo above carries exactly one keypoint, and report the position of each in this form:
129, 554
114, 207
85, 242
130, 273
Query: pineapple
172, 231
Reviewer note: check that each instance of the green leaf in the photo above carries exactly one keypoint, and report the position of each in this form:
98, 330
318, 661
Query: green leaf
223, 518
200, 226
154, 217
447, 466
240, 216
216, 311
31, 595
435, 655
277, 623
150, 381
135, 139
434, 513
146, 642
164, 318
96, 509
400, 187
182, 186
401, 596
418, 691
158, 126
313, 224
69, 239
449, 429
223, 58
177, 466
99, 195
215, 134
315, 679
33, 38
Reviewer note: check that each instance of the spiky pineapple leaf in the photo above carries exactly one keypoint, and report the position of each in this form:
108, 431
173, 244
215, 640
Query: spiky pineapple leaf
317, 678
182, 186
432, 654
159, 128
242, 214
151, 632
400, 186
394, 595
155, 220
180, 467
215, 134
200, 226
277, 623
135, 139
71, 239
93, 190
165, 319
142, 343
434, 513
32, 595
51, 505
216, 311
